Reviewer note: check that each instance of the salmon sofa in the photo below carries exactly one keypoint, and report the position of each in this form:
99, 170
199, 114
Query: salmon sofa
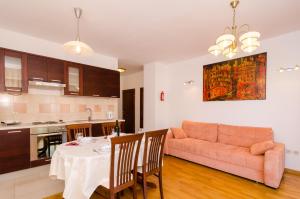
229, 148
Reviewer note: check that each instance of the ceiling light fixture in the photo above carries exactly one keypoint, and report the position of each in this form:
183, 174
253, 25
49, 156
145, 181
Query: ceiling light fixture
289, 69
121, 70
227, 44
77, 47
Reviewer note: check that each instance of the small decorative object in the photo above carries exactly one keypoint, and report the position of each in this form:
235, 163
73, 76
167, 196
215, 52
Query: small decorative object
162, 96
117, 128
190, 82
228, 43
239, 79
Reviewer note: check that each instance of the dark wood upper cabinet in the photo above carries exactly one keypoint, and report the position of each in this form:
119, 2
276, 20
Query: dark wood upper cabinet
13, 71
99, 82
37, 68
73, 76
14, 150
55, 70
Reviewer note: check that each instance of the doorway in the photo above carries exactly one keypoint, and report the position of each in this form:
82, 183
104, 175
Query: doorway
129, 110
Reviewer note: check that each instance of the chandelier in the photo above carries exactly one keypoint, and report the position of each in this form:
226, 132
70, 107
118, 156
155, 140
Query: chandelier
227, 44
76, 46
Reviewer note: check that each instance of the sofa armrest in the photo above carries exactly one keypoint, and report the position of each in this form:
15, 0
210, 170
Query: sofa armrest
274, 165
168, 137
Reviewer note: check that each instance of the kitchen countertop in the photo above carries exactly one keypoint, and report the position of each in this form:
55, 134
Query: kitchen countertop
30, 125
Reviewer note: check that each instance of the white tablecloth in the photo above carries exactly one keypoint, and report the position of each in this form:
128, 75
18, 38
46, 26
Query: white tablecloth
83, 167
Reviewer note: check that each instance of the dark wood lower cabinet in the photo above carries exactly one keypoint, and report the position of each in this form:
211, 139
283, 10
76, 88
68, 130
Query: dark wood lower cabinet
14, 150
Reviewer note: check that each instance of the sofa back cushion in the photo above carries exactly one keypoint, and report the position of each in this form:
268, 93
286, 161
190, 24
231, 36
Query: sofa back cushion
178, 133
243, 136
200, 130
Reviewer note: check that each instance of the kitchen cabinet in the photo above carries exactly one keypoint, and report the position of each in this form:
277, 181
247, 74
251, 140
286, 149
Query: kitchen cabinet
55, 70
73, 76
37, 68
14, 150
99, 82
13, 71
45, 69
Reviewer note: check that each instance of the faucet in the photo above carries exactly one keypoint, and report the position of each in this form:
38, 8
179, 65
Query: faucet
90, 113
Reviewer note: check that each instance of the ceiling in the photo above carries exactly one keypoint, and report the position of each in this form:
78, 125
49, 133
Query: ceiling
143, 31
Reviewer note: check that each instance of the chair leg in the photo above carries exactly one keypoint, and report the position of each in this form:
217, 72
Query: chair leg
160, 185
144, 187
134, 194
111, 195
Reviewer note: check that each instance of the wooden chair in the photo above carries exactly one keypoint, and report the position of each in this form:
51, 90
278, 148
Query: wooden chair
72, 130
123, 165
107, 128
152, 159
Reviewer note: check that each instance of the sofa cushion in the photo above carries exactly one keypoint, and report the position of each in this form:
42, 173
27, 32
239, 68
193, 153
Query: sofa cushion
178, 133
261, 147
202, 131
242, 135
239, 156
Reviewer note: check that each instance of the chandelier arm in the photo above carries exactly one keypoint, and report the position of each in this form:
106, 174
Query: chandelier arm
240, 29
227, 28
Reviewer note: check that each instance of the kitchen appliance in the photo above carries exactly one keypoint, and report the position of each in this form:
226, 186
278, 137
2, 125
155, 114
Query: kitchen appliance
45, 138
109, 115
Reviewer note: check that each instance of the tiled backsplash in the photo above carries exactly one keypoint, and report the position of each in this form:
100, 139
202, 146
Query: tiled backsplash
33, 107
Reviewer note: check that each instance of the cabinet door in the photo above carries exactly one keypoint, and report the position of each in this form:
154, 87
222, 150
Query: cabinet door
73, 79
111, 83
13, 70
37, 68
92, 77
14, 150
55, 69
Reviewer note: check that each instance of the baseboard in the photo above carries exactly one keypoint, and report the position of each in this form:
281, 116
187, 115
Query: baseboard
292, 171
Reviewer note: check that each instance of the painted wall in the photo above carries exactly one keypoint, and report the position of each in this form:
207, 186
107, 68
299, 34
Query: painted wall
281, 109
26, 43
132, 81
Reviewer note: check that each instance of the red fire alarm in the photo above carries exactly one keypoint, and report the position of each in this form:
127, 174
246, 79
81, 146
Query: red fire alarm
162, 96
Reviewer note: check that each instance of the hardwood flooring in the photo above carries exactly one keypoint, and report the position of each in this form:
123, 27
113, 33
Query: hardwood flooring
184, 180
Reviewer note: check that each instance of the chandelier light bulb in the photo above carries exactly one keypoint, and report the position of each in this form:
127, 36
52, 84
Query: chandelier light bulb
230, 52
250, 46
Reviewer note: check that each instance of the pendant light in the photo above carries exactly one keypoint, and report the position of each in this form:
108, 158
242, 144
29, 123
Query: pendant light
77, 47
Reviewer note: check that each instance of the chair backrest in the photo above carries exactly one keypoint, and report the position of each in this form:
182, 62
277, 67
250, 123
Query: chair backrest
153, 151
73, 129
107, 128
124, 158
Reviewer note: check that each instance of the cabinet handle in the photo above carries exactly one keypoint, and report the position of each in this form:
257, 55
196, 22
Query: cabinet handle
14, 131
73, 93
114, 96
38, 78
49, 160
55, 80
95, 95
14, 90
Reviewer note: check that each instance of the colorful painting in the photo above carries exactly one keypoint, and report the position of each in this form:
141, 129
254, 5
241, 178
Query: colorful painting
239, 79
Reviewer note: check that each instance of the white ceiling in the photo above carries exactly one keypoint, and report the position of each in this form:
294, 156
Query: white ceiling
143, 31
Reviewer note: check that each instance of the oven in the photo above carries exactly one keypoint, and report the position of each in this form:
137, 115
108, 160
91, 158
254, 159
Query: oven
43, 142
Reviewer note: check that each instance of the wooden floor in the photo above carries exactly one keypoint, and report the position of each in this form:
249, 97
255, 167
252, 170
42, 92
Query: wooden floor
183, 179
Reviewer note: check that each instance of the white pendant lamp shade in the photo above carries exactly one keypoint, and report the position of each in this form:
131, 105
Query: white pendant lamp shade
250, 41
225, 40
230, 52
78, 47
215, 50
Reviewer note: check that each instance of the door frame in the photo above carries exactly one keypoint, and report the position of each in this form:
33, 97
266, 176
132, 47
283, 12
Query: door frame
133, 91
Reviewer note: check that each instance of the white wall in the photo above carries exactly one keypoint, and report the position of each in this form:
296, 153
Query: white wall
156, 80
281, 109
26, 43
132, 81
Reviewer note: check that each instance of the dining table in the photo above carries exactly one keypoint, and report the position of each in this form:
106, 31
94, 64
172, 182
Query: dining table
84, 165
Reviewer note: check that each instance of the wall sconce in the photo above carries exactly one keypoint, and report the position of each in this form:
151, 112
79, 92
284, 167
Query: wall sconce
289, 69
189, 82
